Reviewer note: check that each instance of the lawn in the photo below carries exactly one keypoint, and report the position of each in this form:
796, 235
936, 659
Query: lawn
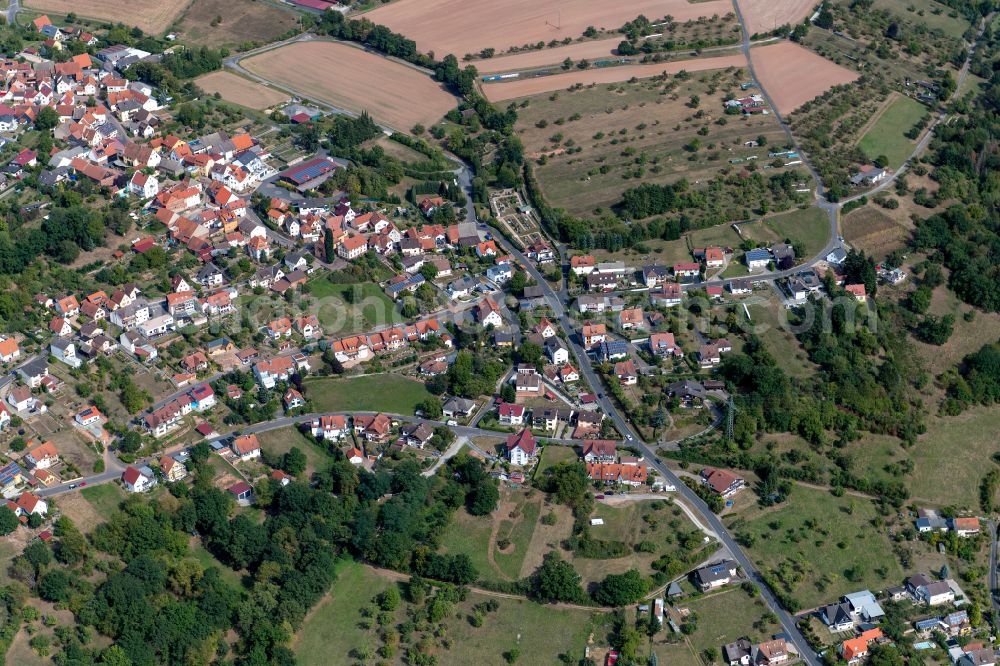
518, 532
818, 546
953, 455
470, 535
370, 393
365, 308
105, 497
886, 136
281, 441
655, 521
553, 455
336, 628
805, 227
725, 616
330, 632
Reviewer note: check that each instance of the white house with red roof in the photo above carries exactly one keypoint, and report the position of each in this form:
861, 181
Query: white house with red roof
29, 503
246, 447
510, 414
143, 185
136, 481
521, 448
333, 427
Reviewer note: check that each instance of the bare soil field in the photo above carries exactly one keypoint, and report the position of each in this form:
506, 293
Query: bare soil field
469, 26
153, 16
350, 78
874, 231
794, 75
766, 15
497, 92
234, 88
242, 21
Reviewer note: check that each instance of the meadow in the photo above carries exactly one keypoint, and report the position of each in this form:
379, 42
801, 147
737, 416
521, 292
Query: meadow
370, 393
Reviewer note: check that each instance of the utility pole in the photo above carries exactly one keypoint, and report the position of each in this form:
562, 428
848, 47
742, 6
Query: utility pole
730, 417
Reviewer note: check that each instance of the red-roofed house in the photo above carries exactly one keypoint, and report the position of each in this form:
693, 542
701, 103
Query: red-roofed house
246, 447
724, 482
510, 414
135, 481
521, 448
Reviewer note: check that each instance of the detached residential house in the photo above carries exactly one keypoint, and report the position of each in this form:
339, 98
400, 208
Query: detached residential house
770, 653
930, 592
599, 451
65, 350
837, 617
738, 652
173, 470
723, 482
329, 427
855, 650
715, 575
136, 481
9, 350
510, 414
42, 456
521, 448
488, 313
247, 447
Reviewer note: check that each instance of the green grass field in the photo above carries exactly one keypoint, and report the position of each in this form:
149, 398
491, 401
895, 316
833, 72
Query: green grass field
808, 227
932, 14
281, 441
819, 546
368, 308
371, 393
519, 534
553, 455
957, 448
723, 617
105, 497
886, 136
469, 535
333, 631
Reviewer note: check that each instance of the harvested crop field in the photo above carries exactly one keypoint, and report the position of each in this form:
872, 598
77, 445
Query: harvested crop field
153, 16
469, 26
241, 21
874, 231
766, 15
236, 89
497, 92
794, 75
350, 78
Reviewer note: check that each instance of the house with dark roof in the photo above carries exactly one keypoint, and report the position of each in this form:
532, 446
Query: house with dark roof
715, 575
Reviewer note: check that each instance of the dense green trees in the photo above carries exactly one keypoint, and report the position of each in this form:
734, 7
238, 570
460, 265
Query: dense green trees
621, 589
557, 580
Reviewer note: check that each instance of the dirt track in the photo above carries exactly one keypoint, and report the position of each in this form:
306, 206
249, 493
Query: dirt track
526, 87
